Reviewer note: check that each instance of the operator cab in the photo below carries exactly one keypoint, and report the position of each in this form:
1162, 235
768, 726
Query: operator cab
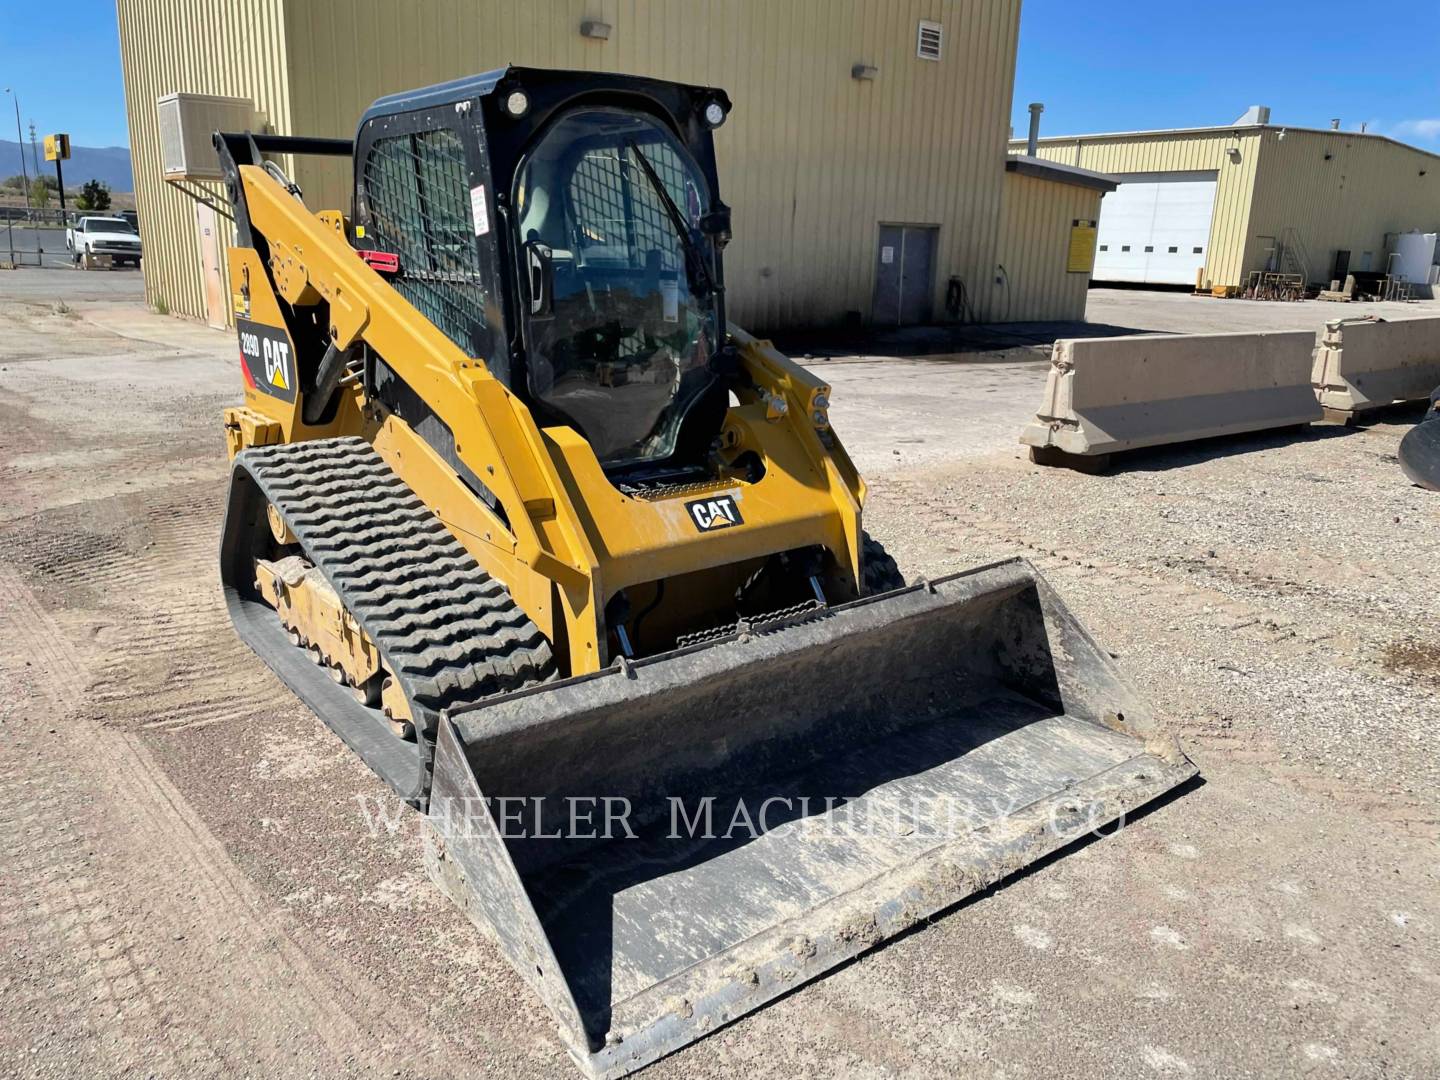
566, 228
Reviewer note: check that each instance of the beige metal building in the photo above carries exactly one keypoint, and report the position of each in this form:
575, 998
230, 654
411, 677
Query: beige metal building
1225, 201
865, 158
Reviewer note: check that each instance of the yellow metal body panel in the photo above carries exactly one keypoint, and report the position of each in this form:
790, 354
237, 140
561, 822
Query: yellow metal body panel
264, 413
569, 539
808, 494
246, 427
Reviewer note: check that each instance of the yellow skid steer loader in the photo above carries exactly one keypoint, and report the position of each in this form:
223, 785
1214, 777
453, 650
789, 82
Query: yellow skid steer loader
578, 568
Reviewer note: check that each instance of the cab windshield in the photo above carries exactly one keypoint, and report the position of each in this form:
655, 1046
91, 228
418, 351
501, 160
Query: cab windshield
618, 341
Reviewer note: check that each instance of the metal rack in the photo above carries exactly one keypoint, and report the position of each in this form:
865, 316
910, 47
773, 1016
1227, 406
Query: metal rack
1274, 285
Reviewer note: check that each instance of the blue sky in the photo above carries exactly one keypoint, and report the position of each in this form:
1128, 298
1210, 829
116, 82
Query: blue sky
63, 60
1097, 67
1132, 66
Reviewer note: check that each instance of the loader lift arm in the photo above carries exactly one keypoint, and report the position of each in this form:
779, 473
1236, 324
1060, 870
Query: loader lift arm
311, 263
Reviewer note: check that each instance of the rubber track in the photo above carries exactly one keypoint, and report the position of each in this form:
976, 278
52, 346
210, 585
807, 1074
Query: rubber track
447, 630
878, 568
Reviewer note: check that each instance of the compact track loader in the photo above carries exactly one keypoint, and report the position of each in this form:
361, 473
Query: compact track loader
579, 570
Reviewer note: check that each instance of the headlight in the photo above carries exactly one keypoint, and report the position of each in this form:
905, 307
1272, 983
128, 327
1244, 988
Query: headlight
714, 114
517, 104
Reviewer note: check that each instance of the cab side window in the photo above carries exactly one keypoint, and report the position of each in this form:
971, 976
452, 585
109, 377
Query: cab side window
419, 197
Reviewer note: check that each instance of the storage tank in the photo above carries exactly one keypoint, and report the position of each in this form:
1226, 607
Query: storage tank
1415, 258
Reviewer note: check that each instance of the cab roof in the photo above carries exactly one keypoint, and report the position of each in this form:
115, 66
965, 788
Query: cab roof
486, 83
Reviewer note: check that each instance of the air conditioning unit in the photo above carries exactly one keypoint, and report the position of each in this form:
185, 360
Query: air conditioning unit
187, 124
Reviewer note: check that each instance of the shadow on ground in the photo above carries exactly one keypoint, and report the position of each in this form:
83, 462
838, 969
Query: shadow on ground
907, 341
1184, 455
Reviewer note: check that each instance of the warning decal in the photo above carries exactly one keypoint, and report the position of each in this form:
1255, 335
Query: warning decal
479, 210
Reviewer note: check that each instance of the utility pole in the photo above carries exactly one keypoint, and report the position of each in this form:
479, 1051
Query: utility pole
24, 175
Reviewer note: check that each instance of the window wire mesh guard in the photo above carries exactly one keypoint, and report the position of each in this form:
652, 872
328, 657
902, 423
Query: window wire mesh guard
598, 192
420, 207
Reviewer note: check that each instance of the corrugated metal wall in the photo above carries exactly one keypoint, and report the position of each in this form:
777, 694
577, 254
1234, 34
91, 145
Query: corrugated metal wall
811, 160
1035, 248
1368, 187
230, 47
1181, 152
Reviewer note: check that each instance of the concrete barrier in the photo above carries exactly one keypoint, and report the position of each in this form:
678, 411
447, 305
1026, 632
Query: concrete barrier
1367, 365
1110, 394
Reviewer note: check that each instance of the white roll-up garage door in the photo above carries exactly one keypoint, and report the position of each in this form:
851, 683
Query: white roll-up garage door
1155, 228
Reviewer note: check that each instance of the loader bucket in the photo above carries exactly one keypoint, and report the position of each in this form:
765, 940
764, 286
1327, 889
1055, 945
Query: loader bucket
780, 801
1420, 449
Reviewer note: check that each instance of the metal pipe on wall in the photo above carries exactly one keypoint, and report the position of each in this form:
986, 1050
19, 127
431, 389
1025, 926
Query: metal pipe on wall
1036, 108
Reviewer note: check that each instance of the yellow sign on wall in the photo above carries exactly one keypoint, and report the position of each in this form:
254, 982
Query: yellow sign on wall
1081, 259
57, 147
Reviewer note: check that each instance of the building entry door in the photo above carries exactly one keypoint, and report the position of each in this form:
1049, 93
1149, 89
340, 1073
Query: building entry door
905, 275
207, 229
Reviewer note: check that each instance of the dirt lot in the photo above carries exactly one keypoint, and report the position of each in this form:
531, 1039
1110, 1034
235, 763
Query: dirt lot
188, 887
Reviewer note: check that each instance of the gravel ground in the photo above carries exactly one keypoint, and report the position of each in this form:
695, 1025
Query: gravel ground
1292, 579
188, 888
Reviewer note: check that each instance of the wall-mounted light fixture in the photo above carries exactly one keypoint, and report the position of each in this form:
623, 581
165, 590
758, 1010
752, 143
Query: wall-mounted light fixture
594, 28
1234, 155
864, 72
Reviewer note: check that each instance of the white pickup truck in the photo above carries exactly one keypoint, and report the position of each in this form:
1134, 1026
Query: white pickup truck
103, 236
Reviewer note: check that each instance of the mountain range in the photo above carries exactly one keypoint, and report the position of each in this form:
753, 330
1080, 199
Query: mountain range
110, 164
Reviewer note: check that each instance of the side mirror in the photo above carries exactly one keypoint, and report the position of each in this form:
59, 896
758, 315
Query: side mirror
540, 266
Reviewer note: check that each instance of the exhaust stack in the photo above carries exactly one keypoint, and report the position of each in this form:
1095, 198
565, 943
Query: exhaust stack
1036, 108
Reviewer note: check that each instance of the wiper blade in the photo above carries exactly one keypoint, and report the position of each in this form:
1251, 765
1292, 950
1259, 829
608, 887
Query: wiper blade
693, 256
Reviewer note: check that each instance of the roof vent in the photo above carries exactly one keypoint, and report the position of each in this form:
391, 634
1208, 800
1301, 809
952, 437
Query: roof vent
1255, 114
929, 40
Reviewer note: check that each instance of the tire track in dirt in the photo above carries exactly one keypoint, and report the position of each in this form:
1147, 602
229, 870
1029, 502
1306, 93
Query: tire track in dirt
54, 900
1132, 588
168, 660
159, 941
